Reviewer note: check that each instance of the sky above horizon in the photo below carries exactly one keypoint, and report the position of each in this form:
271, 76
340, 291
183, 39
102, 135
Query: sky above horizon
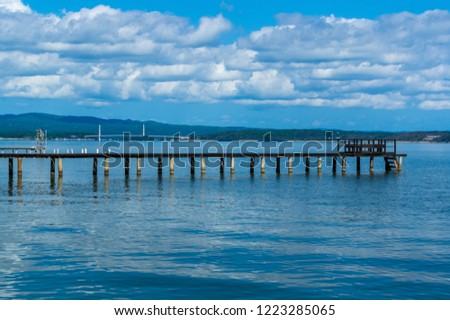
342, 64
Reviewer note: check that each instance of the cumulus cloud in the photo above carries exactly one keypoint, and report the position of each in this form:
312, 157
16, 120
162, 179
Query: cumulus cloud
14, 6
101, 55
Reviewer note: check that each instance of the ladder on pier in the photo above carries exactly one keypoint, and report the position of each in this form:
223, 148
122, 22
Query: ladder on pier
391, 163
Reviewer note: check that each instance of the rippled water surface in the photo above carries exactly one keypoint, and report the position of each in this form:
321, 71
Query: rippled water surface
298, 236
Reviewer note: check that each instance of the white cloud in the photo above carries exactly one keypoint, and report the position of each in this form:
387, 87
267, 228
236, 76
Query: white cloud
100, 55
435, 105
14, 6
268, 84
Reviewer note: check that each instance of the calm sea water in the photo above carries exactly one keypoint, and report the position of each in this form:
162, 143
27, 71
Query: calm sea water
380, 236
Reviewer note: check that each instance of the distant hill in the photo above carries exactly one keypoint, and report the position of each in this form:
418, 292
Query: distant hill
24, 126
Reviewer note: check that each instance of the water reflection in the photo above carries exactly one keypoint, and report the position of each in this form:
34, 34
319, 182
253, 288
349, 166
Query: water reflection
106, 184
11, 186
19, 185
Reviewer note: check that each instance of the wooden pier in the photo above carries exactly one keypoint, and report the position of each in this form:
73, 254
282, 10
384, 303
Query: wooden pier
351, 148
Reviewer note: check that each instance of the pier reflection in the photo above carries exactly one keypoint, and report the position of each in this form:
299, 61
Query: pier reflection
106, 184
95, 184
10, 186
19, 185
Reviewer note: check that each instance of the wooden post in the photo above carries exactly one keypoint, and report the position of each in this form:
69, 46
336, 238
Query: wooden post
11, 166
252, 165
222, 165
60, 167
344, 165
371, 166
263, 165
290, 165
308, 162
127, 166
160, 166
106, 167
192, 166
319, 165
94, 167
52, 167
138, 166
278, 168
203, 165
19, 166
358, 165
172, 165
334, 165
231, 165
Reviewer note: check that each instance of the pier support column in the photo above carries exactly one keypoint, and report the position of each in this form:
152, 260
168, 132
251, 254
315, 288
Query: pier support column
308, 164
222, 165
172, 165
10, 166
387, 166
106, 167
19, 166
278, 168
94, 167
232, 165
358, 165
372, 162
344, 165
263, 165
193, 165
127, 166
399, 163
138, 167
203, 165
52, 167
160, 166
334, 165
60, 167
252, 166
319, 165
290, 165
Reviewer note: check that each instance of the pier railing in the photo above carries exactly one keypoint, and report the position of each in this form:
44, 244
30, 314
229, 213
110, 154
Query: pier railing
374, 147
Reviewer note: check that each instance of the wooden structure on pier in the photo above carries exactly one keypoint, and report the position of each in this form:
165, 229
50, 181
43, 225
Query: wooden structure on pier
357, 148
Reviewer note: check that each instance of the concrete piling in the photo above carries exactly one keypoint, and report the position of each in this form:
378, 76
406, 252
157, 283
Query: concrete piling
252, 165
358, 165
231, 165
106, 167
138, 167
278, 168
10, 167
172, 166
193, 165
344, 165
203, 165
52, 167
94, 167
263, 165
222, 165
127, 166
160, 166
290, 165
60, 167
334, 165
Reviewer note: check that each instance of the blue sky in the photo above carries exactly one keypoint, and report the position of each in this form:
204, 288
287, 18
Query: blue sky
342, 64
